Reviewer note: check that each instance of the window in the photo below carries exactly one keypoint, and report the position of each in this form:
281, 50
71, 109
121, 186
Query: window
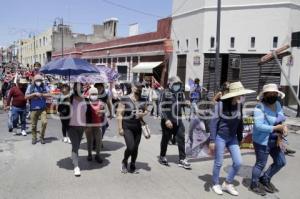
197, 43
212, 42
252, 44
178, 44
187, 44
275, 42
232, 41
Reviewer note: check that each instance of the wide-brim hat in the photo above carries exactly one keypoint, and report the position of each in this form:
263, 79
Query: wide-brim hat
271, 88
236, 89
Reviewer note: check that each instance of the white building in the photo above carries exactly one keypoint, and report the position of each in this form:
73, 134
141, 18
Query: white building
249, 29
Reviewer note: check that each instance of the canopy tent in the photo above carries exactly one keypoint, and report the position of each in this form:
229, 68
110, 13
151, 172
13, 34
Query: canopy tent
145, 67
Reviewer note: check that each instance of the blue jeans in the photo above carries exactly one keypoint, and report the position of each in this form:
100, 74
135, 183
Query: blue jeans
262, 152
231, 143
16, 114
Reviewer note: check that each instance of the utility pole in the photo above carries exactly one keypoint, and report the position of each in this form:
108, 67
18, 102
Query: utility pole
298, 108
217, 70
34, 49
62, 37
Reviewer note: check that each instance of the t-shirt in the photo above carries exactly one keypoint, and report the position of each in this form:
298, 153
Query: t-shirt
78, 113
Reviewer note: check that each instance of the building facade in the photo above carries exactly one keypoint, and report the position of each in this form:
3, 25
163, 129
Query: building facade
39, 48
249, 30
143, 50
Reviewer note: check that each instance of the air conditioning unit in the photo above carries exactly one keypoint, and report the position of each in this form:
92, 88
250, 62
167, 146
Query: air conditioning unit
235, 63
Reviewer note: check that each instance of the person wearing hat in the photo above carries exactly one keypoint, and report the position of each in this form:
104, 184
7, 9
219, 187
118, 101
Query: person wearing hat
226, 130
172, 103
37, 93
267, 133
130, 113
16, 99
94, 119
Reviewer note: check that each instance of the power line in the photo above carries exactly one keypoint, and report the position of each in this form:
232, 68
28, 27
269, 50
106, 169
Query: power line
131, 9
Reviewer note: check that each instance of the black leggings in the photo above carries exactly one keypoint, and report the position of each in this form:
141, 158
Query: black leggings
132, 136
64, 127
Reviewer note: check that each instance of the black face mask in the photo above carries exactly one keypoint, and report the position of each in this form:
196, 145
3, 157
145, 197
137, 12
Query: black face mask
271, 100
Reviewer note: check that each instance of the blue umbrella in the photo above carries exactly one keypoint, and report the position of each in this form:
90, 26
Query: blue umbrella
68, 66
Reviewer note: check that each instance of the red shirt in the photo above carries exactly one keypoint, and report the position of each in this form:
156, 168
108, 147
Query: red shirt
95, 108
16, 97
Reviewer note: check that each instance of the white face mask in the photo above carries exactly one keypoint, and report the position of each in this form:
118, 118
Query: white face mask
38, 83
176, 87
93, 97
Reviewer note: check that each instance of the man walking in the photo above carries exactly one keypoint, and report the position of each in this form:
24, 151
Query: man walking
37, 94
16, 99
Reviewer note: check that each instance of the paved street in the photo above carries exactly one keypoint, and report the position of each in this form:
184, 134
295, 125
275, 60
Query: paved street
45, 171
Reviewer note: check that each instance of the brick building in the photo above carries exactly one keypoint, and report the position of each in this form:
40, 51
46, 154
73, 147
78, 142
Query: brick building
134, 57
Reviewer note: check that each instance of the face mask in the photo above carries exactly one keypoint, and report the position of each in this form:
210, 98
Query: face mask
271, 100
93, 97
176, 87
38, 83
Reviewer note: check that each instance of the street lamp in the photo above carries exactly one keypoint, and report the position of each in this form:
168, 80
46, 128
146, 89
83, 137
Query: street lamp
61, 24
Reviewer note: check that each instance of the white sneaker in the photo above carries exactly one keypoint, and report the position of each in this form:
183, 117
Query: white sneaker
24, 133
68, 140
65, 139
77, 171
230, 189
217, 189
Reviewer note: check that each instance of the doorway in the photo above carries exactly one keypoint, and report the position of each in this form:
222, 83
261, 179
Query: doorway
181, 67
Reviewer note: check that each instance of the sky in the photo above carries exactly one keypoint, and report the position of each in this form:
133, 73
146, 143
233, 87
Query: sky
19, 18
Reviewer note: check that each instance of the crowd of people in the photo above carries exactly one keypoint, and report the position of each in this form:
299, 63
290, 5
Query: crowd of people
83, 108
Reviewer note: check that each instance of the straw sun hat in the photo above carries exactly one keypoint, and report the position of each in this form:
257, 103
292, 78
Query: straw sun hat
236, 89
271, 88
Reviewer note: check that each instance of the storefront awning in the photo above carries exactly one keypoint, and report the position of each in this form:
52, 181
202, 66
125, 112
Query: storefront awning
145, 67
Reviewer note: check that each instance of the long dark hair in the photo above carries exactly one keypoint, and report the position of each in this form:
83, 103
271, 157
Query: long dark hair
228, 107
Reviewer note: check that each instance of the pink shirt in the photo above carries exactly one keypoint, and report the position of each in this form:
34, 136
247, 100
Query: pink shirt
78, 113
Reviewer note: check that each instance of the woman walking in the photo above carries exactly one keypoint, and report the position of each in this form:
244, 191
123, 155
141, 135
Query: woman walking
77, 123
226, 131
95, 118
64, 111
130, 113
267, 136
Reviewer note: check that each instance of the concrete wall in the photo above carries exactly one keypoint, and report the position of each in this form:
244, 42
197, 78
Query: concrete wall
262, 19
